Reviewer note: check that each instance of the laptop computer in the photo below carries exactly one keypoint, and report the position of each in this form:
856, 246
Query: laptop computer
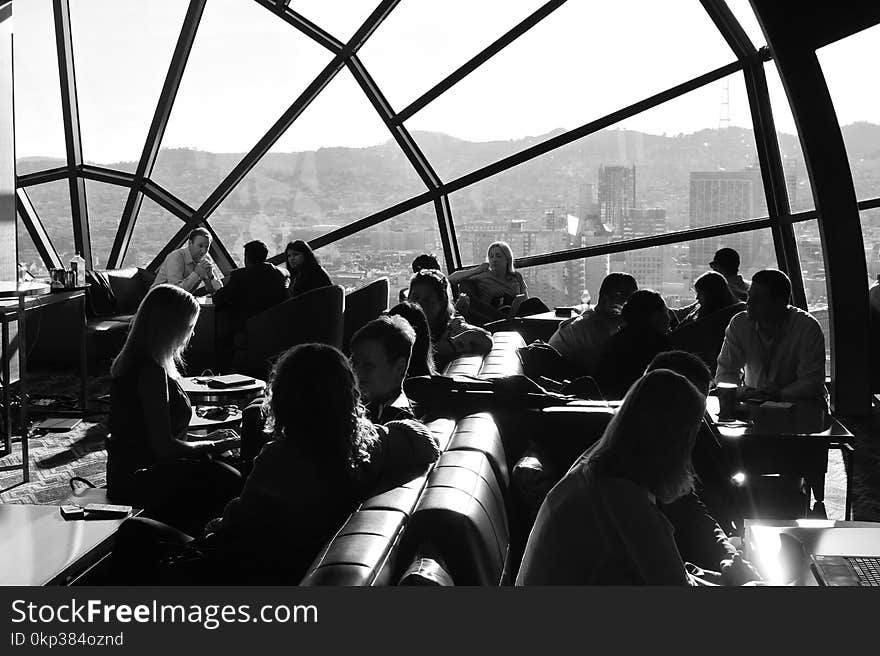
837, 571
229, 380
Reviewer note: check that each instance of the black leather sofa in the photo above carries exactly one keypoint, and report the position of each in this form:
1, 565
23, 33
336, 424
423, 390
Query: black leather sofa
110, 309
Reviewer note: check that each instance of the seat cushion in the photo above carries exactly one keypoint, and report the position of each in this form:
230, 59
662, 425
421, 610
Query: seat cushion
478, 432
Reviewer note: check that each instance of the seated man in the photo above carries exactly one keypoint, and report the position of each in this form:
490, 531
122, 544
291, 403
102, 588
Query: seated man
773, 351
190, 266
252, 289
580, 340
380, 353
726, 262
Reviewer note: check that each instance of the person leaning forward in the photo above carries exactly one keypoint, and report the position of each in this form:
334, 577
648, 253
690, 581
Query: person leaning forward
191, 266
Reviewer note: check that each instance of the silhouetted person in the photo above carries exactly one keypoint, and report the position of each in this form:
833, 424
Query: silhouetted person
702, 330
423, 261
726, 262
773, 350
580, 340
628, 352
306, 273
252, 289
421, 363
190, 266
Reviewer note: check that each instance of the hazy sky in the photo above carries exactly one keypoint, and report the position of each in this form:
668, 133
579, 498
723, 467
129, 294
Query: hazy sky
588, 58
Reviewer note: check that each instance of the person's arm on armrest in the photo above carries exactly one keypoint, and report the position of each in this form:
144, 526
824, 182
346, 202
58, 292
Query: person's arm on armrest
523, 287
463, 274
810, 381
467, 339
404, 443
731, 359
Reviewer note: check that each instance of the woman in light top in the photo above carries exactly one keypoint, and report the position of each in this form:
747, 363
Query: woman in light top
491, 286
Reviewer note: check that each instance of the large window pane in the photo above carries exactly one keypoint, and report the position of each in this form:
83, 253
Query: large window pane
420, 43
579, 64
51, 202
813, 273
871, 237
797, 181
154, 227
28, 254
106, 203
743, 12
623, 183
39, 129
341, 18
337, 163
387, 249
857, 104
122, 49
246, 68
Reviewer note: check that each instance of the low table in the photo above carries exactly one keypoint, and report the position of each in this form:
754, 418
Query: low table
200, 394
40, 547
200, 424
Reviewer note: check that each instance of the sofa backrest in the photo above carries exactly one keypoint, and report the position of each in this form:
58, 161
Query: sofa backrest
129, 286
502, 360
361, 306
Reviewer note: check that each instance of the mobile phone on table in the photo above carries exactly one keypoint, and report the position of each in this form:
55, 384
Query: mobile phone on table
72, 512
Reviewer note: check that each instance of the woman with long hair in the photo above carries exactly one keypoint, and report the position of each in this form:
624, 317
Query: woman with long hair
306, 273
600, 524
324, 459
421, 362
702, 331
450, 334
491, 286
149, 411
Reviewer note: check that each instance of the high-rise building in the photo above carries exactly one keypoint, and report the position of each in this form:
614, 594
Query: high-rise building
719, 197
617, 193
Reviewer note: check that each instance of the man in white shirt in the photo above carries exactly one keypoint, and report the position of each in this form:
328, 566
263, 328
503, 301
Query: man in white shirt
190, 266
773, 351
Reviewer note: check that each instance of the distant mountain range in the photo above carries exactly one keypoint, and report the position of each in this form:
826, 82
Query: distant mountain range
338, 185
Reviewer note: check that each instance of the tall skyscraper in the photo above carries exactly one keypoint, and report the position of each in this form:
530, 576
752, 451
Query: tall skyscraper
617, 193
719, 197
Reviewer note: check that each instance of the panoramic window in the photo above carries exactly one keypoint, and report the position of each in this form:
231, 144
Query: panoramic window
797, 180
336, 164
246, 68
871, 237
857, 104
745, 15
39, 127
120, 72
566, 71
341, 18
813, 273
154, 227
106, 203
386, 249
51, 202
671, 168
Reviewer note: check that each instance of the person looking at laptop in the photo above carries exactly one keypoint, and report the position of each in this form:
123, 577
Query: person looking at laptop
773, 350
190, 267
380, 355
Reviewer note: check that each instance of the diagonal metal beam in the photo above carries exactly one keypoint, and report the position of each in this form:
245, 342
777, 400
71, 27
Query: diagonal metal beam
36, 230
478, 60
773, 176
72, 139
644, 242
730, 28
370, 25
303, 24
102, 174
157, 131
401, 135
869, 204
447, 233
39, 177
167, 200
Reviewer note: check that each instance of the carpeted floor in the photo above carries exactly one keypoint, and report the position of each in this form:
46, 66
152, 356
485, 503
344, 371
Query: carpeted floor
56, 457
